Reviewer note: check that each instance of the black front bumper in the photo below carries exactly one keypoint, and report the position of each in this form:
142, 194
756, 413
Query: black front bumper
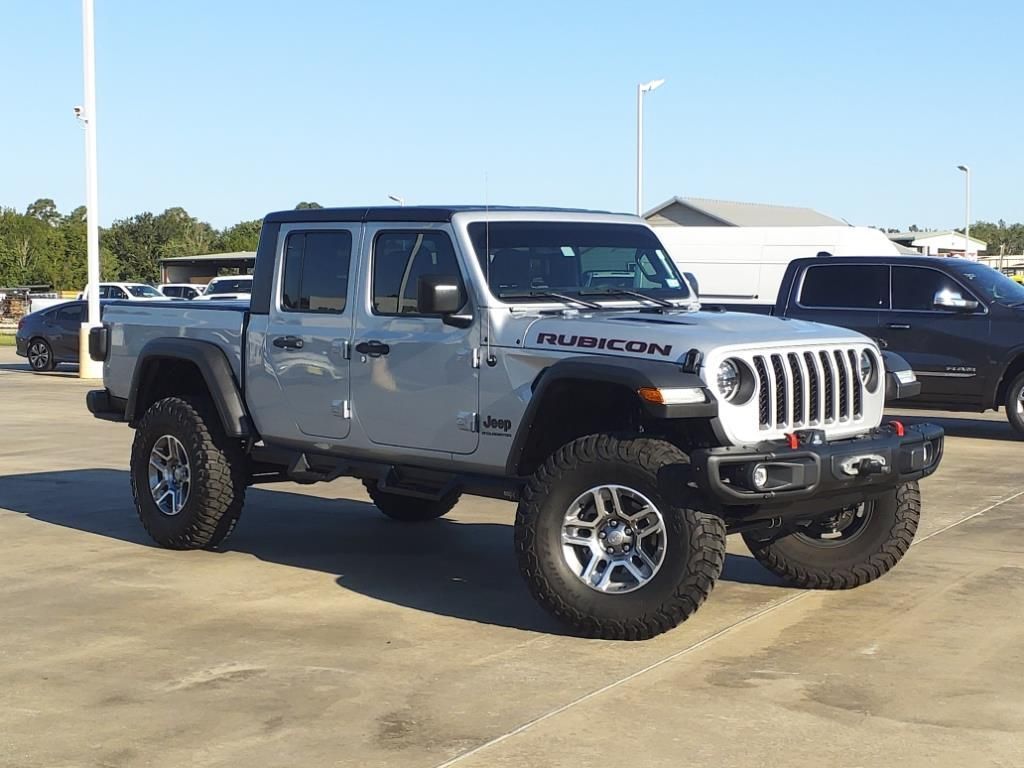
842, 471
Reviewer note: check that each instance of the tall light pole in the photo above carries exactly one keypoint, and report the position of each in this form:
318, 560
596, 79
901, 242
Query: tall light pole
87, 367
967, 207
641, 89
397, 199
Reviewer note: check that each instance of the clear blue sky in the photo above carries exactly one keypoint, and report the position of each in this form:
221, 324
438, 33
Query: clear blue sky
231, 109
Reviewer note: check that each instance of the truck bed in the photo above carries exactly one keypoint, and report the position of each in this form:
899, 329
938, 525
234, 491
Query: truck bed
219, 322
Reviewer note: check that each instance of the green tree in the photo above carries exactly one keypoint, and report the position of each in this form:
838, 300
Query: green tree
243, 236
304, 204
45, 210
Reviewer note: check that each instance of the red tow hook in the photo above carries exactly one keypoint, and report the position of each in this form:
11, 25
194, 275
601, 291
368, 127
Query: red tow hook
898, 426
794, 440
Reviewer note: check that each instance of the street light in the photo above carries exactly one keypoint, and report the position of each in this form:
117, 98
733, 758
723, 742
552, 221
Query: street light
87, 367
641, 89
967, 207
397, 199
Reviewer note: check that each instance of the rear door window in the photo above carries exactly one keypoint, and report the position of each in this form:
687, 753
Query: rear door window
69, 317
846, 286
316, 268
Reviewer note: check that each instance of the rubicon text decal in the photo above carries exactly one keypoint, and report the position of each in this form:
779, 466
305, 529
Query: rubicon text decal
595, 342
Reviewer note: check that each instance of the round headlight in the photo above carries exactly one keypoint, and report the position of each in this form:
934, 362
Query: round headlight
867, 366
728, 379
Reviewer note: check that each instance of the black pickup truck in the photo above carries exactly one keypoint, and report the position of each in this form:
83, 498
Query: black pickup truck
958, 323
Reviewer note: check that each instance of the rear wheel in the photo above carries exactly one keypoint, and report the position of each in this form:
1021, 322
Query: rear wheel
603, 549
409, 509
188, 477
40, 356
1015, 404
847, 549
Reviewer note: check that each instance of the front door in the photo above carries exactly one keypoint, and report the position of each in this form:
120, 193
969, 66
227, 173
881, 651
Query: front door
946, 348
307, 336
414, 384
67, 331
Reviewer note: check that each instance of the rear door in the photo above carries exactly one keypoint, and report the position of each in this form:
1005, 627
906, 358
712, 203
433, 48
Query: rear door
303, 390
946, 348
414, 381
849, 295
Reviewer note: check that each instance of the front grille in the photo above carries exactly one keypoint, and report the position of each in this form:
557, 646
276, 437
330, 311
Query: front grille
813, 389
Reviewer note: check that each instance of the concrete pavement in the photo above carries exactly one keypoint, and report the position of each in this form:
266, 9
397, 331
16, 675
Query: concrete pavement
327, 635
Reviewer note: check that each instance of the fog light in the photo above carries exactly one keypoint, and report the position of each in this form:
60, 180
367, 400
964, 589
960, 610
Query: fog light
759, 477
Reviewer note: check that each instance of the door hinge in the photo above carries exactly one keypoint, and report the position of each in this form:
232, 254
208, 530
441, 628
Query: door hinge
341, 408
476, 357
468, 421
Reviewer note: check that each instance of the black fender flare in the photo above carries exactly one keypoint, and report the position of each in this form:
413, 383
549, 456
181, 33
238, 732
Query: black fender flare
630, 373
894, 388
213, 366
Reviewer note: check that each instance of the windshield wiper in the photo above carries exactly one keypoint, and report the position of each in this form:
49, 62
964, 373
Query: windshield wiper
550, 295
627, 292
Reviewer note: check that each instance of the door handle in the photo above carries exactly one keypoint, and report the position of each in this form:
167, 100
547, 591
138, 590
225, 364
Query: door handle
288, 342
372, 348
898, 326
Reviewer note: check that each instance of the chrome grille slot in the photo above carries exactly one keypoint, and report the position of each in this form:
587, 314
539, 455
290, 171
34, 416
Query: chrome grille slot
781, 398
813, 380
829, 389
844, 384
799, 404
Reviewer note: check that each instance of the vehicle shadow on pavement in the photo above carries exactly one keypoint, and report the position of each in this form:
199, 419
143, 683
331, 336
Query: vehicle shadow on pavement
446, 567
63, 371
955, 426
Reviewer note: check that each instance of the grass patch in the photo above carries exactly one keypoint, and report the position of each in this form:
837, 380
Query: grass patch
7, 340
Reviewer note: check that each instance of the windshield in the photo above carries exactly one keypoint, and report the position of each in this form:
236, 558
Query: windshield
527, 261
992, 284
232, 285
143, 291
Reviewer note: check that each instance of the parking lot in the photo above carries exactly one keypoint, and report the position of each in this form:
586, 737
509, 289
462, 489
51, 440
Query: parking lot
327, 634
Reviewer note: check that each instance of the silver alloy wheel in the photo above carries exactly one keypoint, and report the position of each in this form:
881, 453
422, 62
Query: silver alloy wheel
1020, 403
613, 539
38, 355
170, 476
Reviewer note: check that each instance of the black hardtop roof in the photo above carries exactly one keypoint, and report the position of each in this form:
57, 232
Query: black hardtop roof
431, 213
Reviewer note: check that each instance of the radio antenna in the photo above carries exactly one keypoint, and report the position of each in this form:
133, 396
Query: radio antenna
491, 360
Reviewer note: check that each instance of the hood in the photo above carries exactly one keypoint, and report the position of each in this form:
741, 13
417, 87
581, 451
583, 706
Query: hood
669, 336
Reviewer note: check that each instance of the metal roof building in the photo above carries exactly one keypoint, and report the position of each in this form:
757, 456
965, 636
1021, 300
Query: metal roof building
702, 212
205, 267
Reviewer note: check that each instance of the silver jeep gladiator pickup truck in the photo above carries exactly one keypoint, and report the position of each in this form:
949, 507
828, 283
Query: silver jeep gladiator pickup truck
550, 357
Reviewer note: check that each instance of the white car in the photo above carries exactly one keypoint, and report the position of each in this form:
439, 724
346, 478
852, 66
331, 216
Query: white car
180, 290
127, 291
228, 287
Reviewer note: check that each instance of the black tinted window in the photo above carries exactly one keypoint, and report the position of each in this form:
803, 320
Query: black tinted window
316, 271
70, 317
914, 288
400, 259
846, 286
234, 285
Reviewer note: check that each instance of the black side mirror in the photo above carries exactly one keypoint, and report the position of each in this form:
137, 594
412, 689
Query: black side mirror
694, 283
438, 295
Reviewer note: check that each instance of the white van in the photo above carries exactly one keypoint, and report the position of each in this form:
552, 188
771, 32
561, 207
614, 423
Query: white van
745, 265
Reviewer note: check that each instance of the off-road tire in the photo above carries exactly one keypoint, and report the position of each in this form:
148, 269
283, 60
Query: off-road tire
694, 546
50, 363
218, 468
1014, 415
409, 509
886, 538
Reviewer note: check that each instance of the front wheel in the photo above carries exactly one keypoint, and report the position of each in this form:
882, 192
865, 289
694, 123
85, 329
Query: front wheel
603, 549
1015, 404
847, 549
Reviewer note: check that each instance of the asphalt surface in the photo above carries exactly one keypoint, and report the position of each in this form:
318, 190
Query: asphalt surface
327, 635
